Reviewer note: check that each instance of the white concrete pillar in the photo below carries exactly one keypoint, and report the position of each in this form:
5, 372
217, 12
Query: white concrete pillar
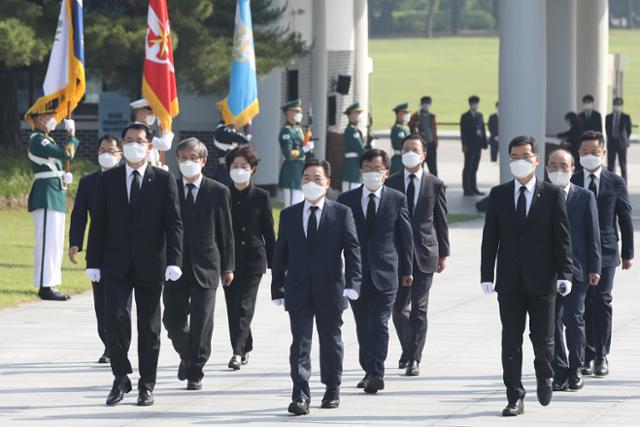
561, 63
319, 77
523, 77
361, 38
592, 51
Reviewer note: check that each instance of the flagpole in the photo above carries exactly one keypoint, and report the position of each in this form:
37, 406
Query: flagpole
67, 164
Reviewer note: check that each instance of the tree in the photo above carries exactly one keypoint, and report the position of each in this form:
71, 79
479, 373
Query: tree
432, 8
456, 16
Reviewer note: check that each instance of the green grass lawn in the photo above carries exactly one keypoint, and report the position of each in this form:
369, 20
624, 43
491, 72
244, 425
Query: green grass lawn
450, 69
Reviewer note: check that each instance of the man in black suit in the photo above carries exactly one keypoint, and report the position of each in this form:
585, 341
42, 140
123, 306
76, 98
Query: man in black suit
386, 242
618, 126
427, 204
474, 140
590, 118
494, 131
109, 156
585, 243
135, 244
207, 257
307, 277
613, 206
526, 228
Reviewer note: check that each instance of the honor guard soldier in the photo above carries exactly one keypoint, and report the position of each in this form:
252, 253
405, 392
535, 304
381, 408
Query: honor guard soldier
291, 140
48, 200
354, 146
225, 139
143, 114
399, 131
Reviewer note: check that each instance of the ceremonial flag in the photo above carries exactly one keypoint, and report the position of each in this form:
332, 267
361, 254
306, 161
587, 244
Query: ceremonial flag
64, 83
241, 104
159, 77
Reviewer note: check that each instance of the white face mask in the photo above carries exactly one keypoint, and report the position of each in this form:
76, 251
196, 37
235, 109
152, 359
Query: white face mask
521, 168
411, 160
426, 107
135, 153
297, 117
590, 162
150, 119
51, 124
239, 175
406, 117
108, 160
189, 168
474, 107
561, 179
372, 180
617, 108
588, 106
313, 191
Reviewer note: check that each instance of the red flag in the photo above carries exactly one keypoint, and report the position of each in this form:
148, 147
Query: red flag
159, 77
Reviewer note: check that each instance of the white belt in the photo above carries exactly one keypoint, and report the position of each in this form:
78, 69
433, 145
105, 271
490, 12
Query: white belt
48, 174
397, 153
350, 155
222, 160
41, 161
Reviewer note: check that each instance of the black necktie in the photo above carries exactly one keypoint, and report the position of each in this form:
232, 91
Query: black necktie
411, 192
521, 210
371, 211
189, 203
312, 224
135, 187
592, 185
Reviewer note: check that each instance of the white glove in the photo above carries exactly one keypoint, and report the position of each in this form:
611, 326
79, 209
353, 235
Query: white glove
350, 293
487, 287
563, 287
67, 178
165, 167
167, 139
93, 274
278, 301
172, 273
308, 147
69, 125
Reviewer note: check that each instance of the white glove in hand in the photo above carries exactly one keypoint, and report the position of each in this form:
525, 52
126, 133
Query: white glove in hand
487, 287
278, 301
563, 287
350, 293
165, 167
167, 138
69, 125
172, 273
93, 274
308, 147
67, 178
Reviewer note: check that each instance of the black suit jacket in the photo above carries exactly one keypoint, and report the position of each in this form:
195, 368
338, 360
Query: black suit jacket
472, 131
493, 126
613, 204
529, 261
146, 239
593, 123
82, 207
305, 270
387, 249
624, 129
585, 233
429, 222
255, 238
209, 236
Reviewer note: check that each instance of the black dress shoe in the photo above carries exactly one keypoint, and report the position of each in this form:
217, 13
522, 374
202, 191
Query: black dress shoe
545, 390
478, 193
413, 369
121, 386
402, 364
363, 381
575, 379
560, 384
235, 362
601, 368
182, 370
331, 398
244, 359
299, 407
105, 358
373, 385
145, 397
194, 385
52, 294
514, 409
587, 369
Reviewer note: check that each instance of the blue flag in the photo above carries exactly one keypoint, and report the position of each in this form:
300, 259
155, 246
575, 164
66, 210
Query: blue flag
241, 104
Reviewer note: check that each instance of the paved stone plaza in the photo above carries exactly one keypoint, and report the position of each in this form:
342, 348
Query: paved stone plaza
48, 373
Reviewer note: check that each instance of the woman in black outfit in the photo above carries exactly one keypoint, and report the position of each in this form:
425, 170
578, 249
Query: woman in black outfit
572, 136
254, 242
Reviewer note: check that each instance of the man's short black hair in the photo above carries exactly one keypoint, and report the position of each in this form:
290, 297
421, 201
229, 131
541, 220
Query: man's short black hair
591, 135
618, 101
425, 100
369, 155
474, 99
108, 137
415, 136
139, 126
524, 140
587, 98
313, 161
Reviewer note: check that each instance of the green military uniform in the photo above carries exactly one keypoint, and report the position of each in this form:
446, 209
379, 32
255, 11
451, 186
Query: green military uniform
398, 132
291, 138
354, 146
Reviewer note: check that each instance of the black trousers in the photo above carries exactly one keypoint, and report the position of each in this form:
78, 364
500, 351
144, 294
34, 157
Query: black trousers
328, 324
617, 149
372, 311
100, 308
410, 315
598, 316
494, 148
188, 318
118, 303
432, 159
513, 314
240, 297
470, 169
570, 321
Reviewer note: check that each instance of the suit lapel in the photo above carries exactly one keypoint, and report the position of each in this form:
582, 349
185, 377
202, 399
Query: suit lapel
357, 208
326, 216
122, 177
147, 181
381, 208
537, 193
422, 194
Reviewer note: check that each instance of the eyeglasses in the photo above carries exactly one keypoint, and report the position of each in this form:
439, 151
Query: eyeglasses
135, 141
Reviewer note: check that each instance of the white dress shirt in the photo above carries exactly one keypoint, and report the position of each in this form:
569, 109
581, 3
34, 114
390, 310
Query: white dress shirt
196, 183
365, 198
566, 190
306, 213
129, 170
416, 183
528, 195
587, 179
